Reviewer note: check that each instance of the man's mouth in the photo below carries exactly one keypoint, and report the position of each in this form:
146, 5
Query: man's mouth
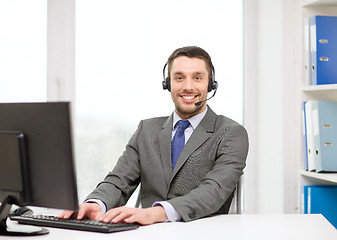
188, 98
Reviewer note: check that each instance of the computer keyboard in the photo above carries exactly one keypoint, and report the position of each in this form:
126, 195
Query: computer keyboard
85, 224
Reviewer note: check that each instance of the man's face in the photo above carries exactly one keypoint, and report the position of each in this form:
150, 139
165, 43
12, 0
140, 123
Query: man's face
189, 83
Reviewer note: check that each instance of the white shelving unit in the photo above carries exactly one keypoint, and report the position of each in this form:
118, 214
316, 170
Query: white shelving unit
306, 3
319, 92
319, 178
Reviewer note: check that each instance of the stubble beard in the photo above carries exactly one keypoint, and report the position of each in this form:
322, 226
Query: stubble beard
189, 111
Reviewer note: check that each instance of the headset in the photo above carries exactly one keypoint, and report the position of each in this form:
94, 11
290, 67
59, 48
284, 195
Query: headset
212, 84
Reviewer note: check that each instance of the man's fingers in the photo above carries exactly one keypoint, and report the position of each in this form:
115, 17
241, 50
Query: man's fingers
86, 210
122, 216
81, 213
110, 215
116, 215
89, 210
66, 214
133, 219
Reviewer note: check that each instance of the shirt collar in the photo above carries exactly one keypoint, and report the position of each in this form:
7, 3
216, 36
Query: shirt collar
194, 121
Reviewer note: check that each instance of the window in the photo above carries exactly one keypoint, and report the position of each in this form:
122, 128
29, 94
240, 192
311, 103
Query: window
23, 48
121, 48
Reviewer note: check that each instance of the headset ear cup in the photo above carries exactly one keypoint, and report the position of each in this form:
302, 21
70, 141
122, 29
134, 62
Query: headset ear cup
168, 83
164, 85
212, 85
215, 85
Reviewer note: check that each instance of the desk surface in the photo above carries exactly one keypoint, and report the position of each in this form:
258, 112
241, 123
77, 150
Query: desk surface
259, 227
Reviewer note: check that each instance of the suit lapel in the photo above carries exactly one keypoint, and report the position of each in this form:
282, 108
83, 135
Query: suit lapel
165, 148
200, 135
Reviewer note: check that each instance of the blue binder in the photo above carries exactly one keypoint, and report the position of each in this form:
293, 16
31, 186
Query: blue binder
323, 49
324, 121
321, 199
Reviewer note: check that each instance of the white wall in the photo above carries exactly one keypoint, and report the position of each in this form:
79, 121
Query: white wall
269, 105
270, 181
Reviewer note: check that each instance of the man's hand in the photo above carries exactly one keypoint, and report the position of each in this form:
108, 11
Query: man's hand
143, 216
86, 210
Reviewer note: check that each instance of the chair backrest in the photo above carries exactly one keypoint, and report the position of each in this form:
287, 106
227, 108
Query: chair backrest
236, 205
138, 203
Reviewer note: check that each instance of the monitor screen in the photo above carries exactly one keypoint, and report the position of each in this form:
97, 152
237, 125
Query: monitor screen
47, 175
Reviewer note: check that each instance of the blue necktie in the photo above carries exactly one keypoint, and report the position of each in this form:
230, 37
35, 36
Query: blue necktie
178, 141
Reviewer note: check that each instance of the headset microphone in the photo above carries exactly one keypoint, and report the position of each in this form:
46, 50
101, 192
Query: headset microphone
199, 103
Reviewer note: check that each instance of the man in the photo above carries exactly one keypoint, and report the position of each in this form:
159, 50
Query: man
195, 183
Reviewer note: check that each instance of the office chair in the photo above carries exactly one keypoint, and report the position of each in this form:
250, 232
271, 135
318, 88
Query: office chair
138, 204
236, 205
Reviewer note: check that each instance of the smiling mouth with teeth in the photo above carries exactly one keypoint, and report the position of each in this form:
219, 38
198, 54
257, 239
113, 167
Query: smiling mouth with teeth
188, 97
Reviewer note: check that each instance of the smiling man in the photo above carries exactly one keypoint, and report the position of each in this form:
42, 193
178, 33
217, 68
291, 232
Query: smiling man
189, 81
188, 164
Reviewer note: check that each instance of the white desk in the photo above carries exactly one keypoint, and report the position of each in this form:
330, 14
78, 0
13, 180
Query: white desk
233, 227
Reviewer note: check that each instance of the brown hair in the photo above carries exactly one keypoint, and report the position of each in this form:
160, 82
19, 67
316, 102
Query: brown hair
191, 52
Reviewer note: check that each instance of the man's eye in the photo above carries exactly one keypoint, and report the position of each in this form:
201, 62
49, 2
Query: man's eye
179, 78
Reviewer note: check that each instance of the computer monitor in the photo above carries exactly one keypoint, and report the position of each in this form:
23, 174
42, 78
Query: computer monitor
36, 156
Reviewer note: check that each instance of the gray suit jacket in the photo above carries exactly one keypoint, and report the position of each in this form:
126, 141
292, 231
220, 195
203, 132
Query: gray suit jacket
203, 180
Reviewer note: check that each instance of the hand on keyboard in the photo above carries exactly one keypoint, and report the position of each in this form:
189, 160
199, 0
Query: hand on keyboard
85, 225
86, 211
143, 216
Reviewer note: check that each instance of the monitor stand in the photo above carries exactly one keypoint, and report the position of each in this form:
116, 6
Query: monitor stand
16, 229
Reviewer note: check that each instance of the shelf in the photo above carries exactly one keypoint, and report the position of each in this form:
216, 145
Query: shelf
309, 3
321, 92
327, 177
326, 87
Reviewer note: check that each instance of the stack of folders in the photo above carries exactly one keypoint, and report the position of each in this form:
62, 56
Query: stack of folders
320, 200
320, 48
320, 135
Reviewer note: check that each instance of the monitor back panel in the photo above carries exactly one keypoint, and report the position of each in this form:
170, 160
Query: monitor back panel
48, 135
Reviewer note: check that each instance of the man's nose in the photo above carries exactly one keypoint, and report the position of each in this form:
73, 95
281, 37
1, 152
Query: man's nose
188, 83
